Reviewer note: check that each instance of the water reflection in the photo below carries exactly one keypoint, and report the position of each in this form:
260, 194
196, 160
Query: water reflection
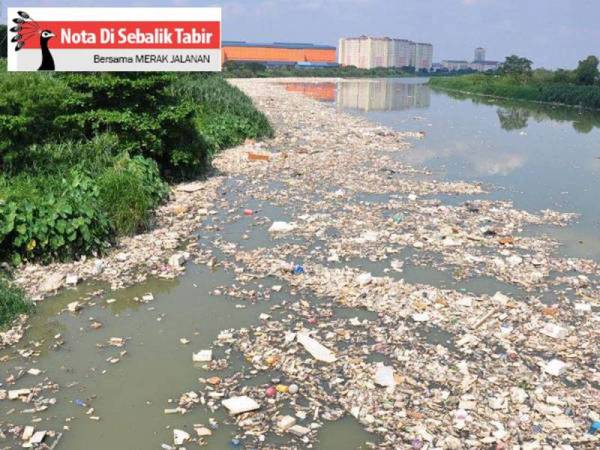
513, 118
324, 92
382, 96
516, 115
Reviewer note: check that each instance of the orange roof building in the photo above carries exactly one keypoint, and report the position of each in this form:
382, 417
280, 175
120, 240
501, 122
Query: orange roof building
280, 54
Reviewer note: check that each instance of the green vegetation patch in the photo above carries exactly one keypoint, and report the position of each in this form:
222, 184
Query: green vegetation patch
516, 79
84, 157
12, 302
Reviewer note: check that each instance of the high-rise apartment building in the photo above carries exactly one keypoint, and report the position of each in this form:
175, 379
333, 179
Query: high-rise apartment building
423, 56
368, 52
479, 54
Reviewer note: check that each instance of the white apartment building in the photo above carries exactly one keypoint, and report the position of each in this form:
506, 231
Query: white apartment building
401, 53
423, 56
368, 52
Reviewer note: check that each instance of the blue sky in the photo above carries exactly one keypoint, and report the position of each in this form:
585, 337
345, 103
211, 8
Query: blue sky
553, 33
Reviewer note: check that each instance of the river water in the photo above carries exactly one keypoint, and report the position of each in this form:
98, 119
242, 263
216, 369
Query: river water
539, 157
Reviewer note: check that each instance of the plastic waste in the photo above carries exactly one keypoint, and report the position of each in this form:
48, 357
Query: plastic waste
315, 348
594, 427
297, 269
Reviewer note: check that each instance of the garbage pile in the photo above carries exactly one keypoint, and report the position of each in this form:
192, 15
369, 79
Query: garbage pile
417, 365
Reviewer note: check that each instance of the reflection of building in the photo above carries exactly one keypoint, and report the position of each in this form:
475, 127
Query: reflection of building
382, 95
479, 54
279, 54
369, 52
453, 65
324, 92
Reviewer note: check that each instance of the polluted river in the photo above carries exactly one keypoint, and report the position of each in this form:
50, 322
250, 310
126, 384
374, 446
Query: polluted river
398, 268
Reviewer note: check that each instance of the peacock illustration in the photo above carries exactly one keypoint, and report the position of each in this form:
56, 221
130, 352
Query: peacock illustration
25, 29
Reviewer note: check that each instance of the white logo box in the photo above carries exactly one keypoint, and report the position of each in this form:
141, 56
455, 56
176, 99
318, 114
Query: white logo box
114, 39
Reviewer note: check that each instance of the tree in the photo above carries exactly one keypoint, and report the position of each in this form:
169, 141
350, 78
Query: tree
3, 38
517, 67
587, 71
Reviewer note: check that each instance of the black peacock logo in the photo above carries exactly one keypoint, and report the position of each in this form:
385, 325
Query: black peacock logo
26, 28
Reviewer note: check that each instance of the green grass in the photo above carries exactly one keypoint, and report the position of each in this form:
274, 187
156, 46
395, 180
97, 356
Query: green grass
536, 89
12, 302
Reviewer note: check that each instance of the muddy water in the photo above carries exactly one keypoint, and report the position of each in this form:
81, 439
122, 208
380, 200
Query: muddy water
129, 397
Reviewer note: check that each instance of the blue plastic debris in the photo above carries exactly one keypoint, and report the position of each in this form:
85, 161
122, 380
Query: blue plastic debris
595, 427
298, 269
235, 443
79, 402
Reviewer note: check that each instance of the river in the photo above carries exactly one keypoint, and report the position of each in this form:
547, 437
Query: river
537, 156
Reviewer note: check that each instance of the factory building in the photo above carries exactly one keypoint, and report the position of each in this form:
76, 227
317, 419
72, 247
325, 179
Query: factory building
280, 54
370, 52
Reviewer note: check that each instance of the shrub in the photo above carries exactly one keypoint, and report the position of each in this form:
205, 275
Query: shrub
29, 104
146, 117
12, 301
50, 218
128, 192
61, 157
81, 155
499, 86
226, 116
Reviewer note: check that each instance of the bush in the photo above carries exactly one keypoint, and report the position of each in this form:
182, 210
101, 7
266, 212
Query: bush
50, 218
82, 155
146, 117
226, 116
503, 86
91, 156
128, 192
12, 302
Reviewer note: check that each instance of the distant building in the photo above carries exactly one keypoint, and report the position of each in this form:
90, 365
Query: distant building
479, 64
484, 66
454, 65
479, 54
370, 52
280, 54
423, 56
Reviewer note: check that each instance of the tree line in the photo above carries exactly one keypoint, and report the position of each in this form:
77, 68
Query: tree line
520, 69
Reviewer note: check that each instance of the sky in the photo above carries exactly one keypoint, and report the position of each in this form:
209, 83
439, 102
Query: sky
552, 33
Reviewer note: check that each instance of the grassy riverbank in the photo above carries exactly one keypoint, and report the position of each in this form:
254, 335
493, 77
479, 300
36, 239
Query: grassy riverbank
86, 158
535, 89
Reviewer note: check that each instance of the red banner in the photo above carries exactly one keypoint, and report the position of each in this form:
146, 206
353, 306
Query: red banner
127, 35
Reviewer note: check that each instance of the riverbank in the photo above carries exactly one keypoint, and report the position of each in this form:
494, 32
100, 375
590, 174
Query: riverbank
84, 167
503, 87
316, 231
